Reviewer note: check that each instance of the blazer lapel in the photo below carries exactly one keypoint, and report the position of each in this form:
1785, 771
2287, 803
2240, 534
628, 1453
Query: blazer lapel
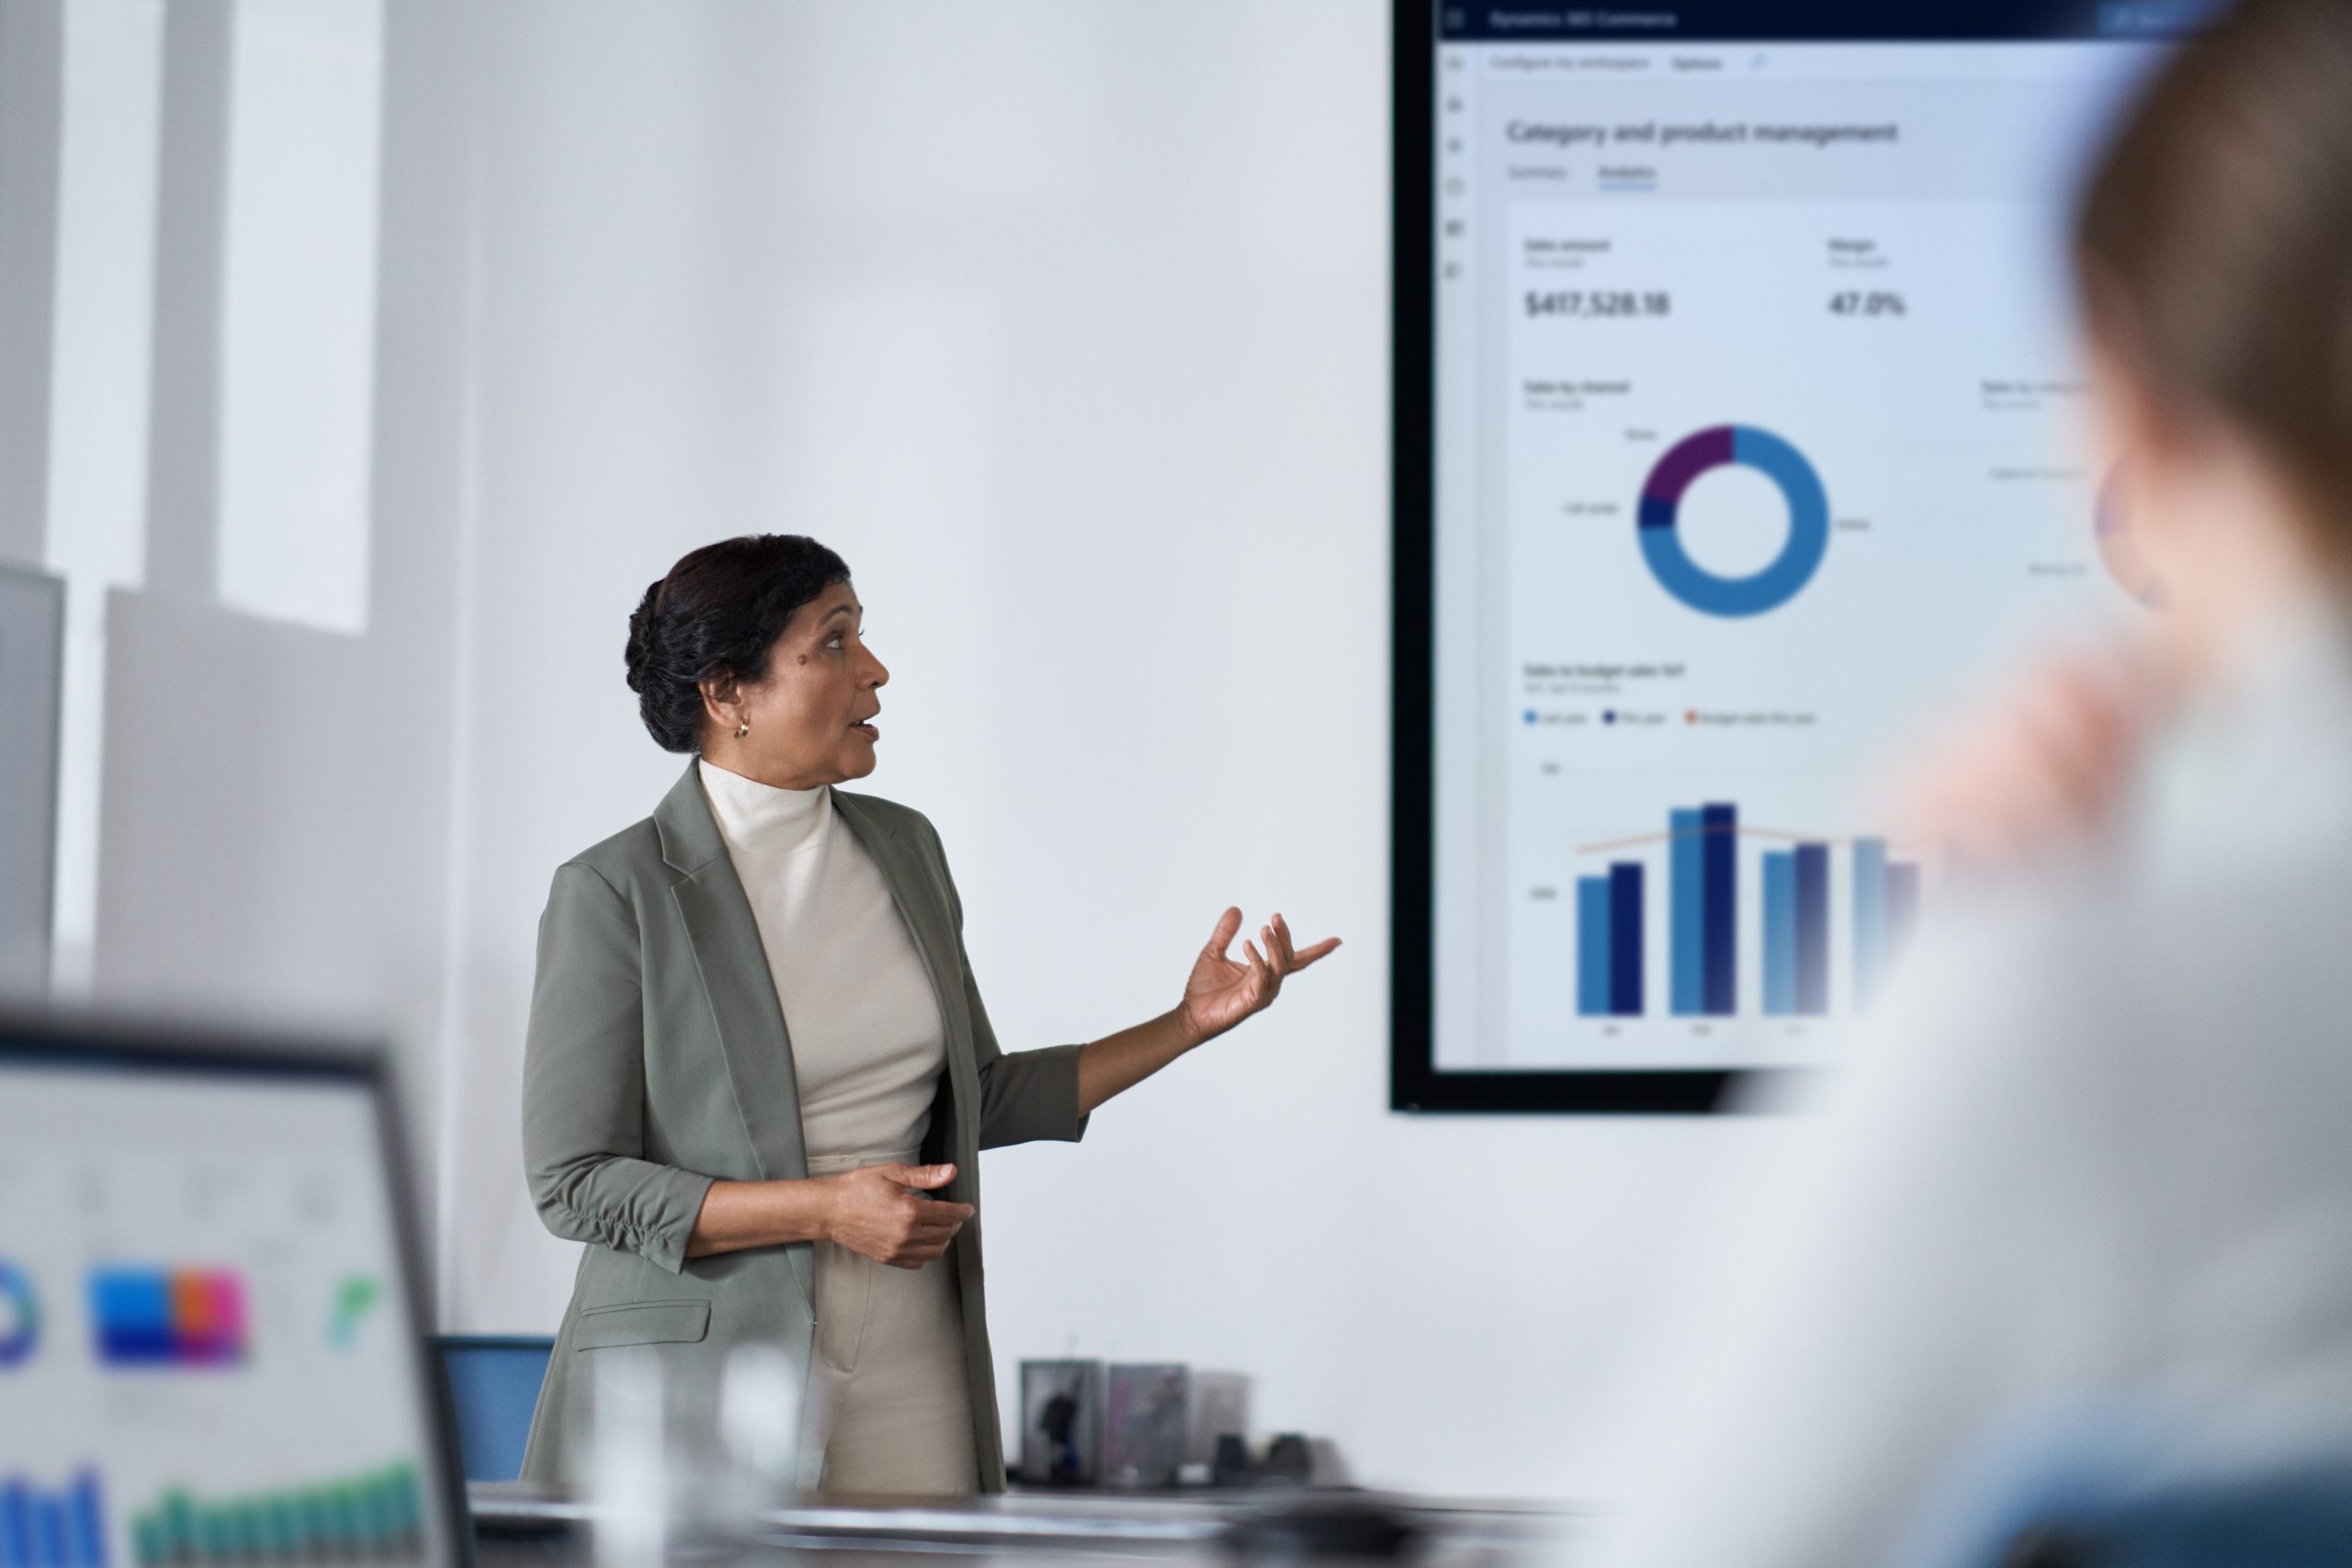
740, 986
922, 904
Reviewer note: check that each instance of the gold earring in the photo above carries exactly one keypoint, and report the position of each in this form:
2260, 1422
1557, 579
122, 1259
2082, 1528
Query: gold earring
742, 727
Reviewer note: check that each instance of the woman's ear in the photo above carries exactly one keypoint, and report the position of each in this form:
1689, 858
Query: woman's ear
722, 701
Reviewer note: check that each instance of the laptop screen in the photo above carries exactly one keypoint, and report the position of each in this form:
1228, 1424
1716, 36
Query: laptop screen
208, 1346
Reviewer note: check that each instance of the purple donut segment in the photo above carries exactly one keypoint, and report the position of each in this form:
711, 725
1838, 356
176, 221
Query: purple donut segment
1690, 457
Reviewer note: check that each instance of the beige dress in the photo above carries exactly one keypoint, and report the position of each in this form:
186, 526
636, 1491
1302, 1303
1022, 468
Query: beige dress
887, 1381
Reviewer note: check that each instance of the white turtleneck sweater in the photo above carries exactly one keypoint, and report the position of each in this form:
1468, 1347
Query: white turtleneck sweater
868, 1044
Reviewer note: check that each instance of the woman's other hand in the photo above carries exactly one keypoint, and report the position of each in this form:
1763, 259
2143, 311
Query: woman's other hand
2039, 767
882, 1210
1222, 991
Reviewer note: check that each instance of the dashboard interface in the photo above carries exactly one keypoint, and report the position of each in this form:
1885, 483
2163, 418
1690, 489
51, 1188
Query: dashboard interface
208, 1351
1741, 431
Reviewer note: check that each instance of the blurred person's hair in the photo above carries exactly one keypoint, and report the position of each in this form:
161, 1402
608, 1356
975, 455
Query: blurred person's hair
2214, 240
718, 613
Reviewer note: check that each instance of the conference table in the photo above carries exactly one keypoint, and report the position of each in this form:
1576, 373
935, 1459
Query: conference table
517, 1526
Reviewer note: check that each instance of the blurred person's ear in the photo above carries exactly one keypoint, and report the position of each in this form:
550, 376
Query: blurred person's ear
2217, 523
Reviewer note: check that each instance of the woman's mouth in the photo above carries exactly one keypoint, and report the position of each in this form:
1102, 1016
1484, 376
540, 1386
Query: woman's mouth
867, 730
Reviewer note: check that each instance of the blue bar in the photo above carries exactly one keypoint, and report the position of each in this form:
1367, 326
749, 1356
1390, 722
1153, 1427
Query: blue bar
1813, 929
1722, 874
1592, 946
1780, 933
87, 1543
1870, 918
1625, 939
15, 1524
49, 1531
1686, 907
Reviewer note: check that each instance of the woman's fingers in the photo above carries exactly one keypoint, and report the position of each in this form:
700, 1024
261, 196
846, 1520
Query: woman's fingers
1309, 955
1262, 979
1221, 940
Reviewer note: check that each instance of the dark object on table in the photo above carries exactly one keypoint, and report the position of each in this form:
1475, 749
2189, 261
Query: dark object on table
1147, 1421
1288, 1461
1061, 1422
1320, 1525
1230, 1466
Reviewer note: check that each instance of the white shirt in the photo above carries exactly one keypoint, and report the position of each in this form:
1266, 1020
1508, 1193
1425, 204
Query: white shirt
868, 1042
2094, 1161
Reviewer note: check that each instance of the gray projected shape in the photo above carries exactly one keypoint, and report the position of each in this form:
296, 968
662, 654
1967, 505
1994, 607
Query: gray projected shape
32, 636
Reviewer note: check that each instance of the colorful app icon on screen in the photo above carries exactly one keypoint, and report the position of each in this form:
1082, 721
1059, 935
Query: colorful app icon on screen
168, 1317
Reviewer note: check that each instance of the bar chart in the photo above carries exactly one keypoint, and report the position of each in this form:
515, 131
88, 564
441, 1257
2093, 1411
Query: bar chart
1795, 899
63, 1527
377, 1516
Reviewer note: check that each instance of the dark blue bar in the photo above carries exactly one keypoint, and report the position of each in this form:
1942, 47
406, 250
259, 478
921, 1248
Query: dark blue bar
1813, 929
1818, 21
1721, 877
1625, 939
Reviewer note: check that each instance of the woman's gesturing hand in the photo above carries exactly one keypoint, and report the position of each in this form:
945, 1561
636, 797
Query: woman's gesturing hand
1222, 991
882, 1212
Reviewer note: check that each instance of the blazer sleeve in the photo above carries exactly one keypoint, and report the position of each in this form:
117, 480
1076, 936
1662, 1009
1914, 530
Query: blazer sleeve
1025, 1096
584, 1083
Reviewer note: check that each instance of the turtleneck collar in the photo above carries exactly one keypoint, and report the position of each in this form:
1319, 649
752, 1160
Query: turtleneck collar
760, 817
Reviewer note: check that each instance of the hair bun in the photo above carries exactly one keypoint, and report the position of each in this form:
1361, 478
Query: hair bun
640, 637
718, 611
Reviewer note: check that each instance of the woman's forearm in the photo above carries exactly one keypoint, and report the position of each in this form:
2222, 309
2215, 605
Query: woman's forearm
1119, 1062
737, 1214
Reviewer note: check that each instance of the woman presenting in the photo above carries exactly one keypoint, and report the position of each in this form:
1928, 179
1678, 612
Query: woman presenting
758, 1075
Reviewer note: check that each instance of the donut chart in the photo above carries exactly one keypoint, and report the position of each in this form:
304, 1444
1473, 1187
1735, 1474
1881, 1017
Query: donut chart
1746, 446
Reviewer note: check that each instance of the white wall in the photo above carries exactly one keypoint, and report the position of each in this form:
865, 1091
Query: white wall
1066, 323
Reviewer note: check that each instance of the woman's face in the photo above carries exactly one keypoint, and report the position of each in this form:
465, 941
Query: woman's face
811, 717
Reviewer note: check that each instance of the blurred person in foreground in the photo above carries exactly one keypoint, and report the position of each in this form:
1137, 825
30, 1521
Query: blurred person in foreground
2094, 1161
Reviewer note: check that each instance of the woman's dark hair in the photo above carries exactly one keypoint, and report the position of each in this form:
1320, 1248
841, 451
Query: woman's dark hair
719, 612
2214, 242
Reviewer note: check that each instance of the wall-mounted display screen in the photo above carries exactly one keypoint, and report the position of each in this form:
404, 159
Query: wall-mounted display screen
1740, 429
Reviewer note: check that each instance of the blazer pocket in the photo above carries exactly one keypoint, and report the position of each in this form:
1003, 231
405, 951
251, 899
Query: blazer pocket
642, 1322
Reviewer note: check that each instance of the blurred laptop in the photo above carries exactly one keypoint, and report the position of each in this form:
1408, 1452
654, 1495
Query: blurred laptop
210, 1347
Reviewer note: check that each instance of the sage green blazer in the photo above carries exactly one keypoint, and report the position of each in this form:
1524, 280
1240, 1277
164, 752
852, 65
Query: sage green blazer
657, 1062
